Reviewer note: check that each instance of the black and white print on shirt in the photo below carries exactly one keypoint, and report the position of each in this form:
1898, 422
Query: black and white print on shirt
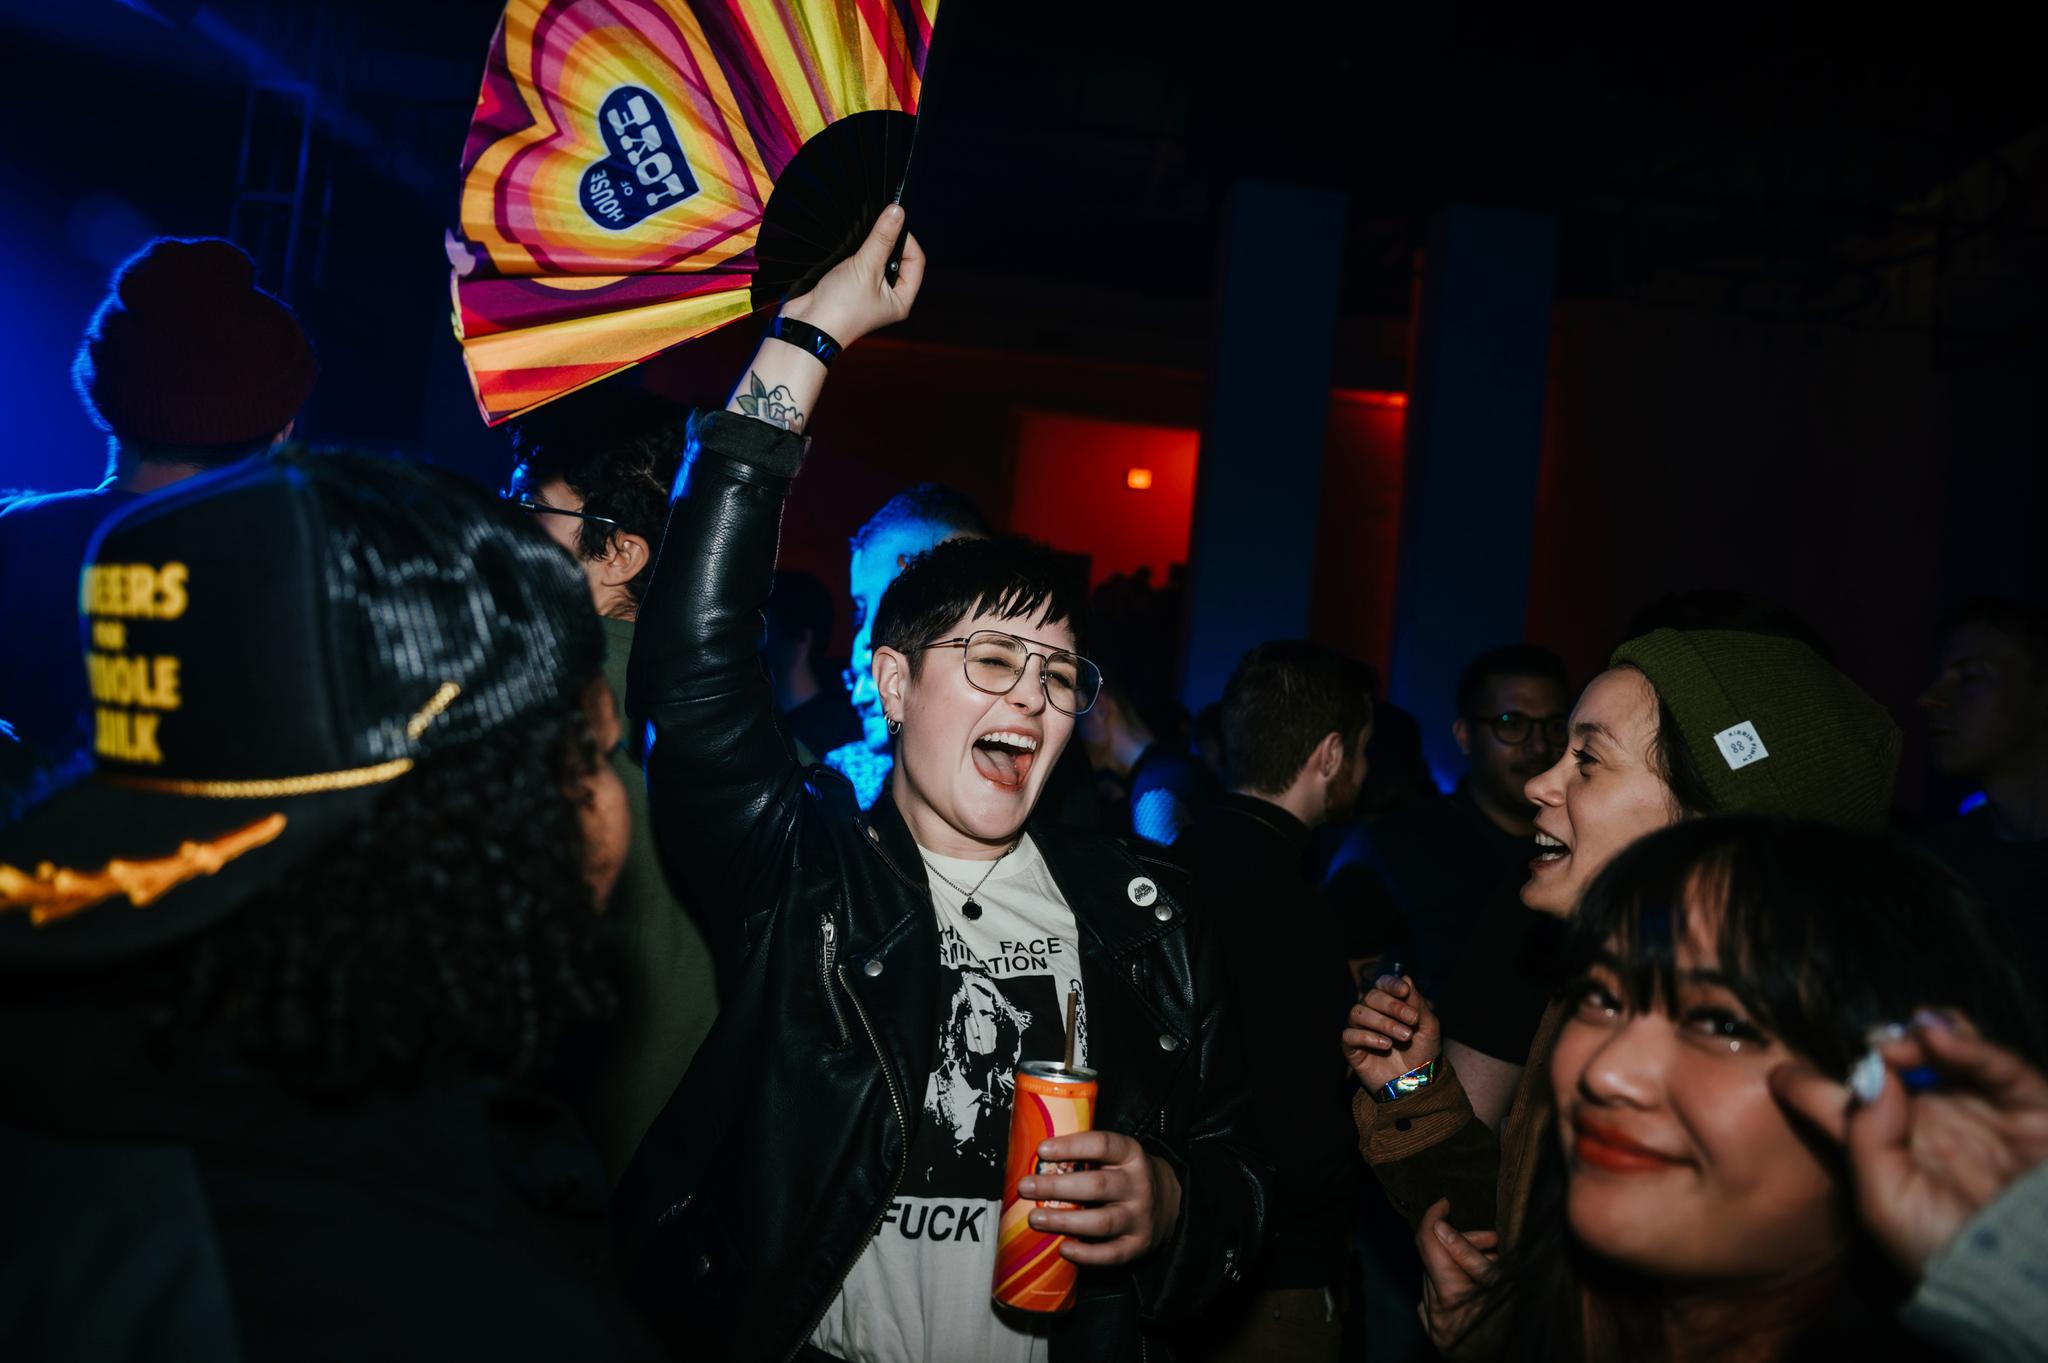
1005, 1007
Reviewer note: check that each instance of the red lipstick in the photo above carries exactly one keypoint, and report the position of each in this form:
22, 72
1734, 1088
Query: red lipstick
1604, 1148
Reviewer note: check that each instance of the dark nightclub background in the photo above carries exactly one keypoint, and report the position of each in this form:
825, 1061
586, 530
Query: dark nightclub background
1529, 325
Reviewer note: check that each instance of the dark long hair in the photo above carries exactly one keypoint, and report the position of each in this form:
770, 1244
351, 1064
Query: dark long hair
1825, 934
449, 934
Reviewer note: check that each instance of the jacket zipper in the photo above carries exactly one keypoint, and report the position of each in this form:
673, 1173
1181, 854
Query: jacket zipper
896, 1180
828, 957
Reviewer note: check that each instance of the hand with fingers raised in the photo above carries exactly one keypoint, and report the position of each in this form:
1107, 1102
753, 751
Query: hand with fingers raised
1926, 1162
1456, 1264
1391, 1031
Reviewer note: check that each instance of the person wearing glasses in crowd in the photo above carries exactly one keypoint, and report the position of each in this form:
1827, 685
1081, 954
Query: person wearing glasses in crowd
1435, 888
825, 1181
1422, 876
594, 471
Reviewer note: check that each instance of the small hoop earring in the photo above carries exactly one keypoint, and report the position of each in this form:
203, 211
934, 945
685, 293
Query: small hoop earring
895, 727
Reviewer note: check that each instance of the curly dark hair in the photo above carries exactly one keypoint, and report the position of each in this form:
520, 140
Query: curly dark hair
617, 450
449, 933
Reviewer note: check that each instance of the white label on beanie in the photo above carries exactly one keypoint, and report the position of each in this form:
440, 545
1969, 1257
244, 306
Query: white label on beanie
1741, 746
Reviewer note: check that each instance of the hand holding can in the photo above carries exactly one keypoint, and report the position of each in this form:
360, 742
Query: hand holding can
1052, 1101
1114, 1210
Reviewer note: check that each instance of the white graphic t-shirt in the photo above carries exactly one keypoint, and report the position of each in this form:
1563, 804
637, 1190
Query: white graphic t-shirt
921, 1291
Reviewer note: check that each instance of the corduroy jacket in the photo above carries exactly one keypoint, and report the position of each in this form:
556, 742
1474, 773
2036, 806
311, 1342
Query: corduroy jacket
768, 1172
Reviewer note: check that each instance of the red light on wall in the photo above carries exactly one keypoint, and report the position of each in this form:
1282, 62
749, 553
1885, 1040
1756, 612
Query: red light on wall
1138, 480
1366, 397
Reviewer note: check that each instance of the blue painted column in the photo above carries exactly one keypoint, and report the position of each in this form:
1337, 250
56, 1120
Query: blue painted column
1251, 547
1473, 446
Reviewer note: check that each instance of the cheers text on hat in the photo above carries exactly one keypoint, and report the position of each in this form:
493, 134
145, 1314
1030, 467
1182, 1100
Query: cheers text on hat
267, 646
130, 691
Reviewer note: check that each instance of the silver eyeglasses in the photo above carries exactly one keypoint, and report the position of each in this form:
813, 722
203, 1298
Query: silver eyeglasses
994, 662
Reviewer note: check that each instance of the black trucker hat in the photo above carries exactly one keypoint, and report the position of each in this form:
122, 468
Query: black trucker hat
267, 648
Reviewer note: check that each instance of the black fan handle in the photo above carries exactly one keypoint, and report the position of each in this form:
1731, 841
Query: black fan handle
895, 265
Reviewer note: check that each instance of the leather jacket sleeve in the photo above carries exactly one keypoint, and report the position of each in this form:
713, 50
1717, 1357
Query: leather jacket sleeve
1223, 1180
723, 783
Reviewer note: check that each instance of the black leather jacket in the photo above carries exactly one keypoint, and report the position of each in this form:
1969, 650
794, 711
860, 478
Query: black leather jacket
768, 1172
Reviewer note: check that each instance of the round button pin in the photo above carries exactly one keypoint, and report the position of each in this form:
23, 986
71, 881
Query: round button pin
1142, 891
873, 968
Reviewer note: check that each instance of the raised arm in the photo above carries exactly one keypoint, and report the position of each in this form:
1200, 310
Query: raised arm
723, 785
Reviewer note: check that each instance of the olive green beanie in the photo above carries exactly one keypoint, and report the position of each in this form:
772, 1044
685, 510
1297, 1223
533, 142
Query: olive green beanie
1772, 726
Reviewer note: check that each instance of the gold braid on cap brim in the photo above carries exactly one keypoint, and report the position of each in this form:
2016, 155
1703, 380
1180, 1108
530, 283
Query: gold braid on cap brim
318, 783
272, 788
51, 893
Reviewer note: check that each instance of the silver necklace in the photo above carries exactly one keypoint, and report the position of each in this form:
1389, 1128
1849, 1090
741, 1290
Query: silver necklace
969, 909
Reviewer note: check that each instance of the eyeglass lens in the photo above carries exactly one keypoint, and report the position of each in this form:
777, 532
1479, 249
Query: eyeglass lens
994, 662
1513, 728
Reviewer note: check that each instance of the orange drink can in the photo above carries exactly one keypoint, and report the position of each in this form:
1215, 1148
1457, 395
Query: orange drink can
1050, 1099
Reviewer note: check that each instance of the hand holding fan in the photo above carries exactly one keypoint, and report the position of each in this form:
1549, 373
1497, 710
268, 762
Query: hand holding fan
640, 172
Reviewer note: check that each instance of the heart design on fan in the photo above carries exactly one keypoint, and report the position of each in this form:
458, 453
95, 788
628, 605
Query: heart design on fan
621, 154
646, 169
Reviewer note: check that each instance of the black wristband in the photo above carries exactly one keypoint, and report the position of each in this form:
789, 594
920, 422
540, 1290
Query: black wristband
806, 338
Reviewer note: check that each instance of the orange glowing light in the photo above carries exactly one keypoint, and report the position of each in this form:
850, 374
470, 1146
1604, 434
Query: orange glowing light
1138, 479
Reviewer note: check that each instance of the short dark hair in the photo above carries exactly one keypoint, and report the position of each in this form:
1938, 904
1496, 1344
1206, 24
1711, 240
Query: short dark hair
799, 602
619, 451
204, 456
932, 504
1280, 701
1509, 660
2025, 622
1008, 578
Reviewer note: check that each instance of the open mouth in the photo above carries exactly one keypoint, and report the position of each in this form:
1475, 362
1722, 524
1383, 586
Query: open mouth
1004, 757
1548, 850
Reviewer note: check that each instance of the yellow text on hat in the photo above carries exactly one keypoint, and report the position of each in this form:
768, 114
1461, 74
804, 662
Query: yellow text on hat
133, 591
127, 687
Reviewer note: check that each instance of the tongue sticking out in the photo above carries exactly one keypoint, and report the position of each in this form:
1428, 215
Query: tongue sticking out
1002, 765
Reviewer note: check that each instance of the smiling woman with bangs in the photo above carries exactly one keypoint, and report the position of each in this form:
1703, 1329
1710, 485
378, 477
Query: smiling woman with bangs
1681, 1211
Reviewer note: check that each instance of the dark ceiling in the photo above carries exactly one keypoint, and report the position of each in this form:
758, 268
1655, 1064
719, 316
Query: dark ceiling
1093, 146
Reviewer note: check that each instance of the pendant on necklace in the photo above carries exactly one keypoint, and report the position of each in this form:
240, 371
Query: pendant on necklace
970, 910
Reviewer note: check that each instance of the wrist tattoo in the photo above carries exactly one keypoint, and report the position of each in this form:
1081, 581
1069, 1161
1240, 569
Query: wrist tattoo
776, 406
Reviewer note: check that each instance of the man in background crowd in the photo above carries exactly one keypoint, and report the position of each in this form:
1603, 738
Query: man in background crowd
1296, 719
1987, 715
1421, 875
186, 366
594, 472
908, 524
1151, 788
797, 627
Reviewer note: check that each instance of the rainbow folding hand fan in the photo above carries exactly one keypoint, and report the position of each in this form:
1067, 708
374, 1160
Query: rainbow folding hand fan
640, 172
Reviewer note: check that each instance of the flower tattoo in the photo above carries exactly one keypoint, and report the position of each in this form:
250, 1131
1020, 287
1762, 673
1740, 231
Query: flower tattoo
772, 405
